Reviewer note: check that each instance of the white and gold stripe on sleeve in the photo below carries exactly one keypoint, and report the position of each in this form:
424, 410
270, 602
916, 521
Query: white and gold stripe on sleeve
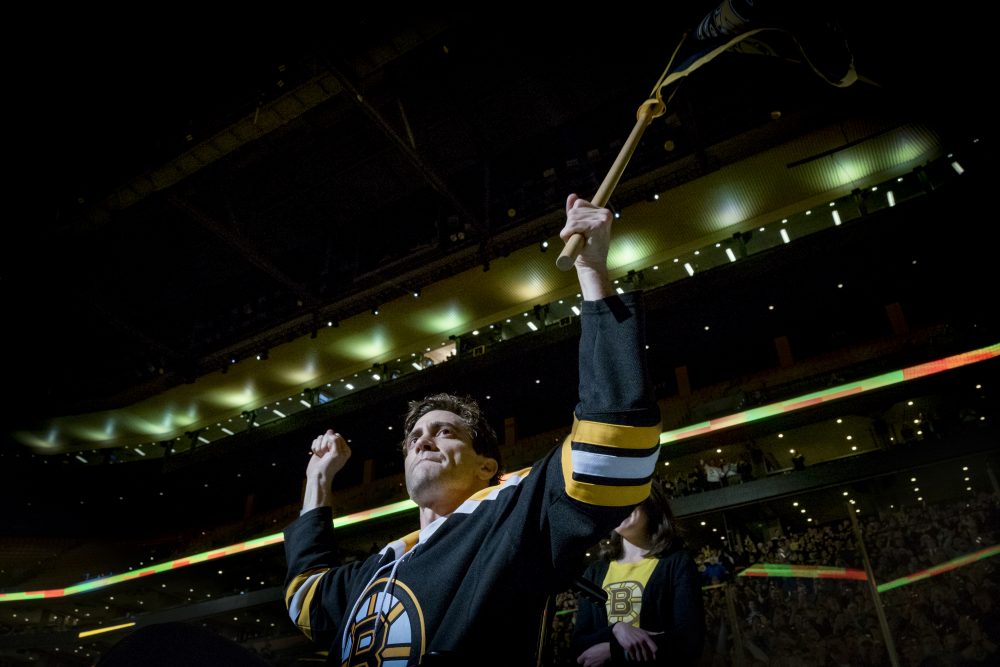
299, 596
609, 464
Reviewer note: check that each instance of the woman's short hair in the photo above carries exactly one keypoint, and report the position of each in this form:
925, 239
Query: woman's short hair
484, 438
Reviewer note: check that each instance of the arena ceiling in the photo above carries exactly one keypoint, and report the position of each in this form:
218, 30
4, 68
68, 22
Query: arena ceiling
196, 198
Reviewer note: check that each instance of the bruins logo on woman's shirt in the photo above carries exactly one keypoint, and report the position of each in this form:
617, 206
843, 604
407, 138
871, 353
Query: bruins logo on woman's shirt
624, 584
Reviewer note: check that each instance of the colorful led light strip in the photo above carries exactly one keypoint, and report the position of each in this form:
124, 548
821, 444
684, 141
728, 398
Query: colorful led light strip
948, 566
802, 571
374, 513
110, 628
214, 554
832, 394
823, 572
756, 414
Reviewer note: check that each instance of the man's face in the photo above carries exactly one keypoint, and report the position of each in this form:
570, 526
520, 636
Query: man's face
442, 468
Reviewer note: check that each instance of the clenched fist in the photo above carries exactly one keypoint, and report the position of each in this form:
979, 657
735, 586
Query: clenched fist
329, 454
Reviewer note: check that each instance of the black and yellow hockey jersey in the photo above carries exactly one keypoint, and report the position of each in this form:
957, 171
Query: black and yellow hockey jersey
472, 585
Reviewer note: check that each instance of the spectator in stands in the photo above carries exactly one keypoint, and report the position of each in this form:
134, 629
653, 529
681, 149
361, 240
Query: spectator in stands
654, 613
696, 479
730, 475
713, 473
744, 469
756, 455
713, 571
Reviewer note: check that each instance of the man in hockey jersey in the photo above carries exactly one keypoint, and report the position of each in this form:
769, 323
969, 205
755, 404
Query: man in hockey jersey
470, 585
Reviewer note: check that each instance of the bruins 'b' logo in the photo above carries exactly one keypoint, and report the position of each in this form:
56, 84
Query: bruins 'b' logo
624, 602
387, 630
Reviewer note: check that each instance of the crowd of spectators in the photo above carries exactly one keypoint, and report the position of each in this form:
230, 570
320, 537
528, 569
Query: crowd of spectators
951, 619
716, 472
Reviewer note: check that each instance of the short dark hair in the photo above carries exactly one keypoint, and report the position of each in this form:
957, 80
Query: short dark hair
660, 524
484, 438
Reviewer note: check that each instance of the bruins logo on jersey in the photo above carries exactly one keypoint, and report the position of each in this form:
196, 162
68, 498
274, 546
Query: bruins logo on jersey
624, 602
387, 630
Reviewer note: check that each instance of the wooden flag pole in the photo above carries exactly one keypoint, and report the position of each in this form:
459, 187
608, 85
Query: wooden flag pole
649, 110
